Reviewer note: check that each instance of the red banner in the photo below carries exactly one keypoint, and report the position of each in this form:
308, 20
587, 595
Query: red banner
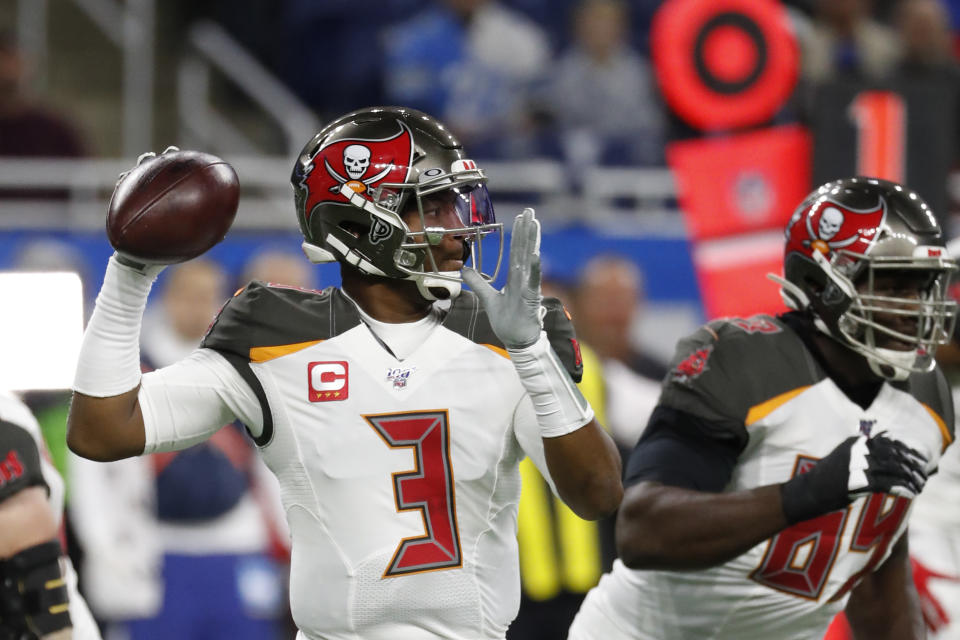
737, 194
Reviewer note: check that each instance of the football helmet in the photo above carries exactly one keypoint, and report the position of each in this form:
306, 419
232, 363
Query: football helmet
357, 177
845, 237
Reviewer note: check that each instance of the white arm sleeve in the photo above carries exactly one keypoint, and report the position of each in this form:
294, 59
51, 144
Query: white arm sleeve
187, 402
527, 430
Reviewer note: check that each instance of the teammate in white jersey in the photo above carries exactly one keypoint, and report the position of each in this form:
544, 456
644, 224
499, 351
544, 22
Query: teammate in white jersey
773, 483
38, 586
395, 410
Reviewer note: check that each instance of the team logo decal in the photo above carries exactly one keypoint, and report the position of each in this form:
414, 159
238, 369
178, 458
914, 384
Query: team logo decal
827, 226
692, 366
359, 164
379, 231
10, 468
327, 381
756, 324
399, 377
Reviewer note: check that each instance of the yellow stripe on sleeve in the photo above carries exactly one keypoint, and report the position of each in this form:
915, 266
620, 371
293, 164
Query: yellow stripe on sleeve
762, 410
944, 431
263, 354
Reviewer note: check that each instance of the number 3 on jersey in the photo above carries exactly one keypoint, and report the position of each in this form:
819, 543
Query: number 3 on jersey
428, 487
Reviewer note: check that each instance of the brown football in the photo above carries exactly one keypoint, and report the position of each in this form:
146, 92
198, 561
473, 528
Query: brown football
173, 207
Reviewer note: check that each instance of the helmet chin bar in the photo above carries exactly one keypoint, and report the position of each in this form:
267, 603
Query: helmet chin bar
434, 288
317, 255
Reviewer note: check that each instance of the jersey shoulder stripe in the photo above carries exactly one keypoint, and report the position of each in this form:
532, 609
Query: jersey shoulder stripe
932, 389
262, 316
262, 321
468, 318
734, 366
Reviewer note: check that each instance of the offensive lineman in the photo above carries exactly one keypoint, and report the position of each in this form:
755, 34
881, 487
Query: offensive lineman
773, 483
393, 411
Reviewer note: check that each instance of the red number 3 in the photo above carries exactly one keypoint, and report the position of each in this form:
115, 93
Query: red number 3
799, 558
428, 487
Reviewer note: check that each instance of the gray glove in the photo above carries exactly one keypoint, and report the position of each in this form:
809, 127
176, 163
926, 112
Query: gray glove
515, 313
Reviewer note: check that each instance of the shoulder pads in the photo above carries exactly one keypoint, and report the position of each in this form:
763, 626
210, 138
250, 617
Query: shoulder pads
730, 365
261, 315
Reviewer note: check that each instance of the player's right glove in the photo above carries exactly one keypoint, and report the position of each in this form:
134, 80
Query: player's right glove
857, 466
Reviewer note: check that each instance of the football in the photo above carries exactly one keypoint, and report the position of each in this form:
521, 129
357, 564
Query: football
173, 207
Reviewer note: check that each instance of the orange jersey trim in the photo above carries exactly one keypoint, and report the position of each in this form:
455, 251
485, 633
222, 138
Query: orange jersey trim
497, 350
944, 431
263, 354
762, 410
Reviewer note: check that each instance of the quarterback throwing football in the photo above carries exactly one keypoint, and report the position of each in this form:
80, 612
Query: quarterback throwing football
395, 410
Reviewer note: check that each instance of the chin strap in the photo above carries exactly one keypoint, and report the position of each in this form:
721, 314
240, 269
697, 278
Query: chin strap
434, 288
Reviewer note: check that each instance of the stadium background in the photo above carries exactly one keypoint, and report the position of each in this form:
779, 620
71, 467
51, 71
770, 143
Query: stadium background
701, 214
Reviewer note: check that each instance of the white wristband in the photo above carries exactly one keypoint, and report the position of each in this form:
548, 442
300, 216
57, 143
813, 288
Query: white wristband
109, 362
558, 403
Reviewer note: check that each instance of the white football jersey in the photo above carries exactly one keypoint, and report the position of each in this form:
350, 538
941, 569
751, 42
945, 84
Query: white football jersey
757, 372
400, 478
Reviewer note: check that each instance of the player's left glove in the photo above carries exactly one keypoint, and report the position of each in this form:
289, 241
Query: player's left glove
515, 313
516, 316
857, 466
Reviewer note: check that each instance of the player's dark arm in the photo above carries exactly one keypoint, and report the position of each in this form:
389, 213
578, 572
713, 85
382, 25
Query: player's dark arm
676, 514
585, 467
106, 429
885, 606
664, 527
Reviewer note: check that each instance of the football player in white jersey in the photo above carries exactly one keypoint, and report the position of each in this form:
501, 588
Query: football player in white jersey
38, 586
394, 410
773, 483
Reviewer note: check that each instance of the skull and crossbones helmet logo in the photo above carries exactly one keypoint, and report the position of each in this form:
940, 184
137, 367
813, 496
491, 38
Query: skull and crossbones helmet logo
356, 160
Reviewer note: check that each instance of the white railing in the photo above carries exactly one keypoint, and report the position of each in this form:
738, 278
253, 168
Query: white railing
213, 48
629, 199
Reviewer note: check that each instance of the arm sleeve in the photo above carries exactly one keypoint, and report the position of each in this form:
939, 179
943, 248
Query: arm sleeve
682, 450
187, 402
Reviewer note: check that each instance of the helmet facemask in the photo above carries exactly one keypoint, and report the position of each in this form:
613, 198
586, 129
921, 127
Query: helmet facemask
474, 209
866, 258
897, 331
412, 257
865, 319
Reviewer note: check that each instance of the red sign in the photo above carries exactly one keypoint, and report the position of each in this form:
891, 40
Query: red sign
724, 64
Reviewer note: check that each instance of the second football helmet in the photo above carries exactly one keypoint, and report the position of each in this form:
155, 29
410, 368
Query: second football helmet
357, 177
844, 237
